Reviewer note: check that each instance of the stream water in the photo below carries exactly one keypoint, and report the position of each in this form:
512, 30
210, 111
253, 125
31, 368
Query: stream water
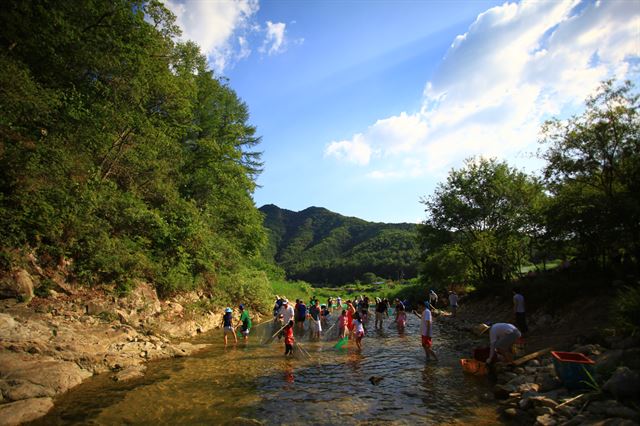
256, 381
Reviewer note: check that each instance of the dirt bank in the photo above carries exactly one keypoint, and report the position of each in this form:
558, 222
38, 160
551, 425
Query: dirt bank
49, 345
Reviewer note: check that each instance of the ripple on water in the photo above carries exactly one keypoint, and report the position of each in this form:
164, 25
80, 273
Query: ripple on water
256, 381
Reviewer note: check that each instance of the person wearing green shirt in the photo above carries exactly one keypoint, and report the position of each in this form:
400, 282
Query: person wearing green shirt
245, 321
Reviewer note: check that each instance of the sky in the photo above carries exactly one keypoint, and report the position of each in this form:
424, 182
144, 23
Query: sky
364, 106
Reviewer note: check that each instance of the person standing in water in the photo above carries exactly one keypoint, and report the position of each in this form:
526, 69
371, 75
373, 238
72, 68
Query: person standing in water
288, 338
359, 329
315, 318
426, 331
245, 321
453, 302
350, 312
342, 323
227, 325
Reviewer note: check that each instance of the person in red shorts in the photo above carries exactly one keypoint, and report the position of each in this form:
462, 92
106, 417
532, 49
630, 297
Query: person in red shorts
288, 339
426, 331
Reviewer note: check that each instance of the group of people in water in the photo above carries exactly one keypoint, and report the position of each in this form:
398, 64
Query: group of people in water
352, 317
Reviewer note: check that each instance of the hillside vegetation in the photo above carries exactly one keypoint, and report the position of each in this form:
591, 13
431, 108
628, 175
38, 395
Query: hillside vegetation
122, 153
322, 247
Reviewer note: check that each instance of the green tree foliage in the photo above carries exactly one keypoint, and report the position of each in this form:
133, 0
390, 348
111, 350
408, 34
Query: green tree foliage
593, 173
323, 247
120, 149
478, 225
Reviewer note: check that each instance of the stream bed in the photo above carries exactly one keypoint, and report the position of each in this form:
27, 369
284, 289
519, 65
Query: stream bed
256, 381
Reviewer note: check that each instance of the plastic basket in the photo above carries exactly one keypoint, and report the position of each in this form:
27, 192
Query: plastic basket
472, 366
573, 369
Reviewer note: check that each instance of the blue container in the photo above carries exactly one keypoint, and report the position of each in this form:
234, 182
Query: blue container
573, 369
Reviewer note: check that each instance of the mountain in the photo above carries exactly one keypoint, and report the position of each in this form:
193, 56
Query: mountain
323, 247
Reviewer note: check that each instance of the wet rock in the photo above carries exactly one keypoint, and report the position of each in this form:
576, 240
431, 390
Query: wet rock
130, 373
624, 383
22, 389
24, 411
243, 421
546, 420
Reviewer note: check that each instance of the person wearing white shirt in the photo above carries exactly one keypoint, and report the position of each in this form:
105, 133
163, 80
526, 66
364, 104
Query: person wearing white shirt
286, 311
502, 336
426, 330
453, 302
519, 311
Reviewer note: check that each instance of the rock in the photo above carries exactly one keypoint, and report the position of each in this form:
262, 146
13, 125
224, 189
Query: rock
21, 389
624, 383
528, 387
576, 420
18, 285
588, 350
548, 382
608, 361
506, 376
502, 391
24, 411
543, 401
243, 421
631, 358
541, 411
545, 420
601, 407
623, 412
517, 381
130, 373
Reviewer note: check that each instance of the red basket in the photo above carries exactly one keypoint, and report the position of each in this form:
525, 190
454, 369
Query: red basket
472, 366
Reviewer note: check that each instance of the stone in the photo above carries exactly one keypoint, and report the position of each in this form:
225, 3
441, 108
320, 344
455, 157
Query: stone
130, 373
502, 391
623, 412
243, 421
528, 387
545, 420
548, 382
543, 401
541, 411
23, 411
623, 383
22, 389
601, 407
19, 285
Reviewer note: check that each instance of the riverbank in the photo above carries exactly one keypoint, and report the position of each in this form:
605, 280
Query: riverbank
49, 345
531, 392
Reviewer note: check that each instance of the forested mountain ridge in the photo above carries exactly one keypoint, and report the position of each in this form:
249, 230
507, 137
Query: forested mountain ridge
321, 246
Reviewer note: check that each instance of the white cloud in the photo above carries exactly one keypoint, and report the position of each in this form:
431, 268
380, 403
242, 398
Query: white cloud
274, 38
516, 65
212, 24
355, 151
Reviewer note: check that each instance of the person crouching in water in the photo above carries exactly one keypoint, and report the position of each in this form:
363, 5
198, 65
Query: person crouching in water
426, 330
227, 325
288, 338
359, 329
342, 323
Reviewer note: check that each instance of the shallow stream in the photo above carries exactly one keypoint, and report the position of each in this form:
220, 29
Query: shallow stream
256, 381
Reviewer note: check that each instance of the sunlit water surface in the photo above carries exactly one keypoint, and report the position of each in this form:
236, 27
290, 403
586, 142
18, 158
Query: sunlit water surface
256, 381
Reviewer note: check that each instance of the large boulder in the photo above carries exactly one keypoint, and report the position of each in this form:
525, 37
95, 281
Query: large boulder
624, 383
19, 412
18, 284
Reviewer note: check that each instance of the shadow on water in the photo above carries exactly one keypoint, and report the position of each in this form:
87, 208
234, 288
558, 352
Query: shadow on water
256, 381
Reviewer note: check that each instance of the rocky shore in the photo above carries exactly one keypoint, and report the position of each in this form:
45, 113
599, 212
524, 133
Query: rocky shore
531, 393
50, 344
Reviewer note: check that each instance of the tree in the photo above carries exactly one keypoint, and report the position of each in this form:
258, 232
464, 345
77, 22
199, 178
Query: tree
480, 213
593, 173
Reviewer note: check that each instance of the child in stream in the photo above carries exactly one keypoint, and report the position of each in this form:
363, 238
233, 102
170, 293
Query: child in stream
288, 338
245, 322
359, 329
342, 323
227, 325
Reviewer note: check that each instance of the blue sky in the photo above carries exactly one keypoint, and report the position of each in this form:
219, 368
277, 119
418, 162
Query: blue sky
364, 106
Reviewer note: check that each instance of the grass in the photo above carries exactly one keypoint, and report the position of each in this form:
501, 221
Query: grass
293, 290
